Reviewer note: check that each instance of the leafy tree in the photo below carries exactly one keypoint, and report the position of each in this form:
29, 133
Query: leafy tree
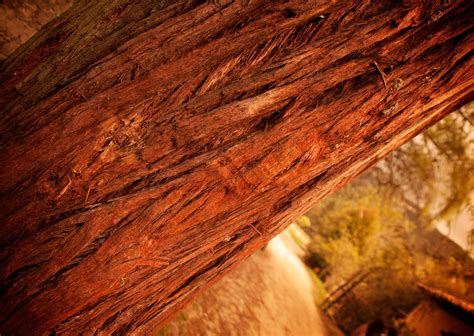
354, 228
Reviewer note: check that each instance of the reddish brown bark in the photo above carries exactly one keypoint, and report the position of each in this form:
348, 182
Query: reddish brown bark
146, 151
20, 19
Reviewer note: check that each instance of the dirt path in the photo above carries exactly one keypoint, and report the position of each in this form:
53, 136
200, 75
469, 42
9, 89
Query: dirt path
270, 294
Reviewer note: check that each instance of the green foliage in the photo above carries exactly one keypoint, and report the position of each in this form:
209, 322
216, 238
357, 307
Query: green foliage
355, 228
164, 331
182, 317
296, 238
320, 292
303, 221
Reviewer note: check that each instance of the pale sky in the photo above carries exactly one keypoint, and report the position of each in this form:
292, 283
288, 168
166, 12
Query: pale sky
460, 228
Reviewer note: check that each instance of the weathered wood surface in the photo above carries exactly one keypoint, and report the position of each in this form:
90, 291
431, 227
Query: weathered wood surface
146, 150
20, 19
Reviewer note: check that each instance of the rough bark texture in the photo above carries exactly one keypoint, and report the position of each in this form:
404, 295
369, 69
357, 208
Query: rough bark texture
20, 19
146, 150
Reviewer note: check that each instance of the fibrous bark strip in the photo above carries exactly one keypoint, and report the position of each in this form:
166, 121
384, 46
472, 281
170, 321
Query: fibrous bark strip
147, 149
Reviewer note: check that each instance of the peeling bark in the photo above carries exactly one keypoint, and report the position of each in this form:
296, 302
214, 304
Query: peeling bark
147, 150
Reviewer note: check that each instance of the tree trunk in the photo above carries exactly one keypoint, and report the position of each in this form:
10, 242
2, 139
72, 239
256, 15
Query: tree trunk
20, 19
147, 149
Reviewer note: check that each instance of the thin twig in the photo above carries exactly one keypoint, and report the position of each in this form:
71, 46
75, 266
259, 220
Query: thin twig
382, 74
88, 192
253, 227
66, 187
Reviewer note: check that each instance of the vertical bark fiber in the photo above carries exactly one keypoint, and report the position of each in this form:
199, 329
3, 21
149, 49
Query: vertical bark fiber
147, 149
